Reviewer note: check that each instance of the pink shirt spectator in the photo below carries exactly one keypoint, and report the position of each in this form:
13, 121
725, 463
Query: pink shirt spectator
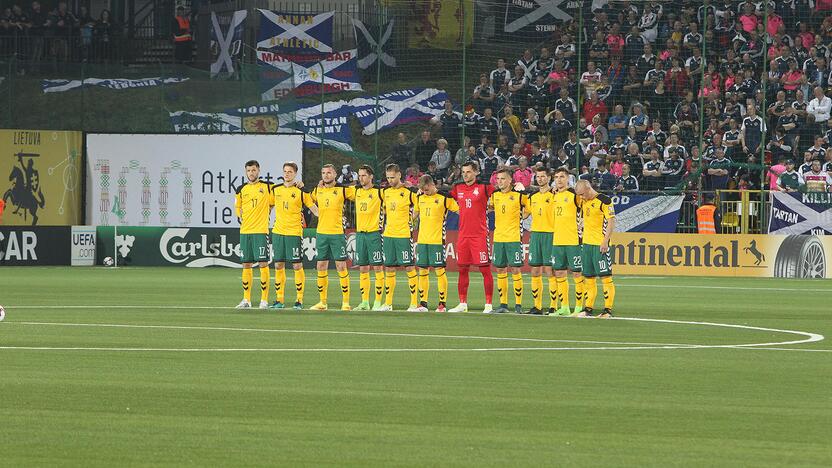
617, 168
774, 23
773, 174
524, 176
808, 39
413, 179
493, 180
792, 76
749, 22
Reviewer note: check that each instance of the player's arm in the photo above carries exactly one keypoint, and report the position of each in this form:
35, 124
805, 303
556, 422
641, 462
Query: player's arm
238, 204
414, 204
349, 193
609, 215
309, 203
313, 196
525, 202
451, 205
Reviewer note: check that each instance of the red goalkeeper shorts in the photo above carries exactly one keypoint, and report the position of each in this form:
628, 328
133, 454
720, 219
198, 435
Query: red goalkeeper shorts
473, 251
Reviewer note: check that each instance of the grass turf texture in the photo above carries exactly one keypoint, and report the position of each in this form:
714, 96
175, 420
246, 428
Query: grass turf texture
652, 407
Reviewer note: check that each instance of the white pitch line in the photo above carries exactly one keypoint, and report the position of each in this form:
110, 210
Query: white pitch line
810, 338
345, 332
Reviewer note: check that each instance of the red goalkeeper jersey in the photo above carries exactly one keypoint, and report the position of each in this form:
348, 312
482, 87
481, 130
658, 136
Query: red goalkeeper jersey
473, 203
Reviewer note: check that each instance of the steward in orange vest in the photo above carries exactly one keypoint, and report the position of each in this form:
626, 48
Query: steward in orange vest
708, 217
182, 39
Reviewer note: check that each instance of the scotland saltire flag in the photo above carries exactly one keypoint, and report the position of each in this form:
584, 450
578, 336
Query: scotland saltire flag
226, 45
334, 126
295, 33
398, 108
370, 47
801, 213
647, 213
59, 86
302, 75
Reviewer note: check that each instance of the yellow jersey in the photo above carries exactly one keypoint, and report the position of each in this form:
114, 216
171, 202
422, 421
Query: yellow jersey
288, 209
368, 209
508, 211
253, 205
566, 214
399, 207
433, 209
543, 211
330, 201
596, 213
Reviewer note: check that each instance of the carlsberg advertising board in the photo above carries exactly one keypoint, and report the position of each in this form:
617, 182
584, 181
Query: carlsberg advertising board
177, 180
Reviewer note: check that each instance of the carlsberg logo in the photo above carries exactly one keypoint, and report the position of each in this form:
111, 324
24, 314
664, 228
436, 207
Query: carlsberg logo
176, 249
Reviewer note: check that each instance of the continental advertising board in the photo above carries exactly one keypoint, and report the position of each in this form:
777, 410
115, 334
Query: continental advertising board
765, 256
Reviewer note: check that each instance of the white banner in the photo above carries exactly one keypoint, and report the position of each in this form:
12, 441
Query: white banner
177, 180
83, 246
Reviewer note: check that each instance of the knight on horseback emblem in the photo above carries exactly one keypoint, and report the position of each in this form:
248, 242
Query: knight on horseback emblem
25, 193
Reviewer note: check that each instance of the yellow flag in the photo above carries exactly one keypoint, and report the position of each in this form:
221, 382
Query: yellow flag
441, 24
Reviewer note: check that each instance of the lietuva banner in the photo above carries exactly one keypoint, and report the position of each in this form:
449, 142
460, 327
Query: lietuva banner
40, 177
177, 180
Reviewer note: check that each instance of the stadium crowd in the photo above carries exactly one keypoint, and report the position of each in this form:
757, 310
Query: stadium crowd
650, 75
34, 34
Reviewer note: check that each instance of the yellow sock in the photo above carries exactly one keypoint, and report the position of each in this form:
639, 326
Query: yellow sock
389, 287
300, 283
323, 285
279, 283
563, 291
442, 284
518, 288
364, 285
590, 292
502, 287
264, 283
579, 291
537, 291
424, 284
248, 276
379, 286
609, 291
413, 285
344, 279
553, 292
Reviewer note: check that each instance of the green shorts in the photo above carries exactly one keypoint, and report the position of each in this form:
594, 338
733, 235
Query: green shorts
286, 248
540, 249
368, 249
331, 247
254, 248
566, 257
507, 254
430, 255
398, 251
596, 263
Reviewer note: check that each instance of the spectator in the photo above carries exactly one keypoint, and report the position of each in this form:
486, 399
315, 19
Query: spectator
603, 179
591, 79
488, 125
63, 23
424, 149
510, 125
775, 171
503, 149
87, 26
524, 174
451, 124
500, 75
751, 132
530, 126
489, 163
673, 169
818, 110
105, 34
469, 153
652, 172
788, 180
182, 39
627, 182
616, 167
401, 153
347, 175
708, 217
412, 174
538, 156
442, 156
438, 176
816, 179
718, 172
594, 106
559, 128
566, 105
483, 94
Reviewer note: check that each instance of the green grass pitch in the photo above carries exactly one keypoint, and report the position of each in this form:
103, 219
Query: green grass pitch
170, 374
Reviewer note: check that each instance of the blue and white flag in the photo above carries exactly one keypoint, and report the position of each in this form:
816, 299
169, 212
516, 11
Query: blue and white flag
226, 45
398, 108
303, 75
647, 213
801, 213
333, 126
59, 86
295, 33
